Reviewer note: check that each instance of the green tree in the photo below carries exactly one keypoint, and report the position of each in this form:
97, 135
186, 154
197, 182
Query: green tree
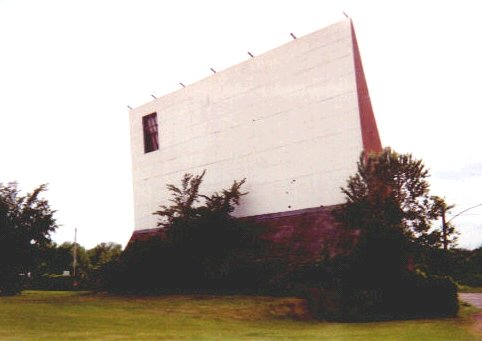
392, 189
103, 253
54, 259
26, 222
83, 264
200, 229
390, 209
447, 236
183, 201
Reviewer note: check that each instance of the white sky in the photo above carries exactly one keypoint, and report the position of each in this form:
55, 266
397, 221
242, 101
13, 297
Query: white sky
69, 68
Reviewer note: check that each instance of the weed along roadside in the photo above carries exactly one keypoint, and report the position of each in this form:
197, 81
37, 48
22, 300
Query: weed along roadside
57, 315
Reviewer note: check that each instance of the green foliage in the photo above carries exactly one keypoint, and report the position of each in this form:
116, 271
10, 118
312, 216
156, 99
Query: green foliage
423, 296
203, 236
412, 296
448, 235
103, 254
60, 259
54, 259
472, 265
198, 245
464, 266
388, 202
186, 200
389, 205
91, 264
52, 282
26, 222
392, 190
183, 200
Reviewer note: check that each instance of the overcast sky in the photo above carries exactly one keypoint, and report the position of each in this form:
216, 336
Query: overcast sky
68, 69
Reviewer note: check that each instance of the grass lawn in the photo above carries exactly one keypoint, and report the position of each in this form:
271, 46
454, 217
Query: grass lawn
466, 289
41, 315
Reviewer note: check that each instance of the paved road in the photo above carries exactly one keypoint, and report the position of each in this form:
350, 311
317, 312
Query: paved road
475, 299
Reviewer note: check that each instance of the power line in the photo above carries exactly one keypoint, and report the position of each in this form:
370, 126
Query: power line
468, 209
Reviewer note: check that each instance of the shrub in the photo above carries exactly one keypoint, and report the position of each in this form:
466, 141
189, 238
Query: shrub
414, 296
52, 282
419, 296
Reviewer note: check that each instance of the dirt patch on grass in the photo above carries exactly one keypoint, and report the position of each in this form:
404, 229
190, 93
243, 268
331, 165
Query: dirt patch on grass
228, 307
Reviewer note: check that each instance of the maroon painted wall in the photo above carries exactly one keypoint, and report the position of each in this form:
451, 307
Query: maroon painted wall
294, 237
370, 137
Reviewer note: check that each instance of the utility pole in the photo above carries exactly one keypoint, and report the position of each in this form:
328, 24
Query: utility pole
445, 242
74, 263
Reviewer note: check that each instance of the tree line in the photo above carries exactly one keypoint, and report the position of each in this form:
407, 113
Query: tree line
54, 268
403, 262
27, 254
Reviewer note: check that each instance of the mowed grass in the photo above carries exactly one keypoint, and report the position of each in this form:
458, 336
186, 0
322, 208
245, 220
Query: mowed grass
467, 289
40, 315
